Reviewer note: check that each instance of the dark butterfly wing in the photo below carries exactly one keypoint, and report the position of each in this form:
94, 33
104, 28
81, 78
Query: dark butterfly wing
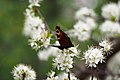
63, 39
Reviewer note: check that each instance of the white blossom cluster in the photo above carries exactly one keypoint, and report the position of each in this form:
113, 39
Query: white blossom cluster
85, 24
63, 62
111, 27
64, 59
95, 55
23, 72
111, 11
61, 76
84, 13
34, 28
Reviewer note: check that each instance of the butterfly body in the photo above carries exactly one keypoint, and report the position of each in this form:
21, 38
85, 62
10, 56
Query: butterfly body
63, 39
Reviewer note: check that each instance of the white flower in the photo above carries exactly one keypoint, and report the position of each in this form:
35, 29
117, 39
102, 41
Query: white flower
91, 22
64, 59
34, 3
111, 11
84, 12
63, 62
34, 28
64, 76
81, 31
33, 24
86, 23
110, 28
23, 72
29, 12
34, 44
81, 26
46, 53
72, 51
51, 76
45, 39
40, 40
106, 45
93, 56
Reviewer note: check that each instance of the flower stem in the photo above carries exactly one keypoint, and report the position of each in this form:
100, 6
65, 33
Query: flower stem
97, 72
23, 76
69, 75
92, 74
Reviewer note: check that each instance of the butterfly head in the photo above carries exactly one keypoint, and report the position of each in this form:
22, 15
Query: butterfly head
57, 27
58, 32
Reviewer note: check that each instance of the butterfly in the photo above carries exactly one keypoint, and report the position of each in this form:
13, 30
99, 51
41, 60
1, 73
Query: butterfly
63, 39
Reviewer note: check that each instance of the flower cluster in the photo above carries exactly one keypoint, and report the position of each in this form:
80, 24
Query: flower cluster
85, 25
111, 27
23, 72
64, 59
34, 28
63, 62
111, 11
84, 13
95, 55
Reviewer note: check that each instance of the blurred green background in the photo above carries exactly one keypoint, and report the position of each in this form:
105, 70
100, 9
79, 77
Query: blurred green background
14, 48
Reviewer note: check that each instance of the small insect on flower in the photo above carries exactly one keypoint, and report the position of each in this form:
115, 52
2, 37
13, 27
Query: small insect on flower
23, 72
